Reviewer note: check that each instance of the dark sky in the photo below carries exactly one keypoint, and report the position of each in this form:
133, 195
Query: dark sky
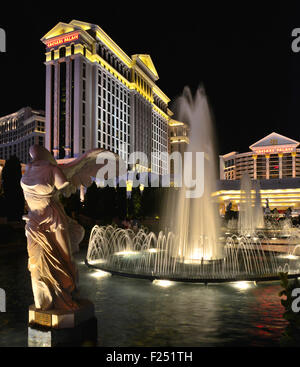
242, 55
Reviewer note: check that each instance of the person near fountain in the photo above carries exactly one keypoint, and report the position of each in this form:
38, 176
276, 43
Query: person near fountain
288, 213
49, 241
267, 210
229, 214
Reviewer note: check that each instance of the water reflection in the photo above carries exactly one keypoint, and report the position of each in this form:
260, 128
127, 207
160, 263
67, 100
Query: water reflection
134, 312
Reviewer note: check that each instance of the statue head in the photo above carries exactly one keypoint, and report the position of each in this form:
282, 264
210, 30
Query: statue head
39, 153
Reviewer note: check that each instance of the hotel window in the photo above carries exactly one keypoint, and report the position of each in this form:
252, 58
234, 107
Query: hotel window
72, 49
274, 166
83, 89
287, 168
62, 52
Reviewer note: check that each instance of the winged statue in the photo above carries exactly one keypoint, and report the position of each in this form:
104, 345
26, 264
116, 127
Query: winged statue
52, 236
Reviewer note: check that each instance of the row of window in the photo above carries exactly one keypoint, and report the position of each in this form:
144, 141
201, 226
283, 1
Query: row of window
21, 149
114, 61
21, 131
159, 103
83, 135
159, 144
113, 114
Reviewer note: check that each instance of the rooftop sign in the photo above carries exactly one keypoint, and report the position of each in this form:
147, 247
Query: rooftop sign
274, 149
63, 39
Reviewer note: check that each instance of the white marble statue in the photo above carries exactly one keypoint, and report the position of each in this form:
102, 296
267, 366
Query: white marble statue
51, 235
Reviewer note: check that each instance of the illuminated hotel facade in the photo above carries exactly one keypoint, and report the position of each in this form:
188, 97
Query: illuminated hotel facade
97, 96
274, 162
274, 156
20, 130
178, 139
178, 136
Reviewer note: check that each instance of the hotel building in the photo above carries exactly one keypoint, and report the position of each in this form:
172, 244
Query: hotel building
178, 136
98, 96
274, 156
20, 130
274, 161
178, 139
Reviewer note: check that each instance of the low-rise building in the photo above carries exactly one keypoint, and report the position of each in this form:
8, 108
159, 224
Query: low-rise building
20, 130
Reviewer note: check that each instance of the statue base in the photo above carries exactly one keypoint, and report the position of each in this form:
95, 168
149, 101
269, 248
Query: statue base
53, 328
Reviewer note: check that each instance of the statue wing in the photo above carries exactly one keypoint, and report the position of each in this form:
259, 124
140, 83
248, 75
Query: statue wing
81, 170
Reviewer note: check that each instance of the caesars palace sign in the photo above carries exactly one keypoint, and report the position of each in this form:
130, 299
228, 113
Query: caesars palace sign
61, 40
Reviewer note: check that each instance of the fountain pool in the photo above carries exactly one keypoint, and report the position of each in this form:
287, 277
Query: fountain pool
145, 255
193, 249
140, 313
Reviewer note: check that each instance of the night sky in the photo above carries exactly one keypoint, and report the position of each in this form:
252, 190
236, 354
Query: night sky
242, 55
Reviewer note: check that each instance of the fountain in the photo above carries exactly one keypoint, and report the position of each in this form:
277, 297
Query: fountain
196, 221
258, 213
251, 216
192, 249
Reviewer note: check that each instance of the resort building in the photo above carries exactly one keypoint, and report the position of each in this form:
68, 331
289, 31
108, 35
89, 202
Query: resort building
178, 136
274, 156
273, 162
98, 96
178, 139
20, 130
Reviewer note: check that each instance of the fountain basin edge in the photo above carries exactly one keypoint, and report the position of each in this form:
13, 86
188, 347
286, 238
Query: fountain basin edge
261, 278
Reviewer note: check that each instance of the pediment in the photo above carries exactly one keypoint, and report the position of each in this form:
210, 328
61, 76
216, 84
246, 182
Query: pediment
148, 63
273, 140
59, 29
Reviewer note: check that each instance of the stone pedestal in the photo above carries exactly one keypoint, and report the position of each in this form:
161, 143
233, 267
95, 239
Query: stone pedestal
63, 328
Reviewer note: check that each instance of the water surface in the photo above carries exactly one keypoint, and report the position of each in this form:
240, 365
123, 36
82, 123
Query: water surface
133, 313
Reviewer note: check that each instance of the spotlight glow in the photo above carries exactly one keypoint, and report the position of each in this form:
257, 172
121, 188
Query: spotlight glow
192, 261
97, 261
289, 256
153, 250
242, 285
163, 283
100, 274
126, 253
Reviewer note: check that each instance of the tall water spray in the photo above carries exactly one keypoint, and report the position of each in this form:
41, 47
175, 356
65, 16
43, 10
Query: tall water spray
245, 221
195, 220
251, 212
258, 212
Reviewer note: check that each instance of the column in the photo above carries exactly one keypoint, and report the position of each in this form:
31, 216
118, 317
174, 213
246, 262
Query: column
267, 166
77, 107
49, 76
294, 164
254, 167
222, 167
68, 110
280, 155
55, 148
